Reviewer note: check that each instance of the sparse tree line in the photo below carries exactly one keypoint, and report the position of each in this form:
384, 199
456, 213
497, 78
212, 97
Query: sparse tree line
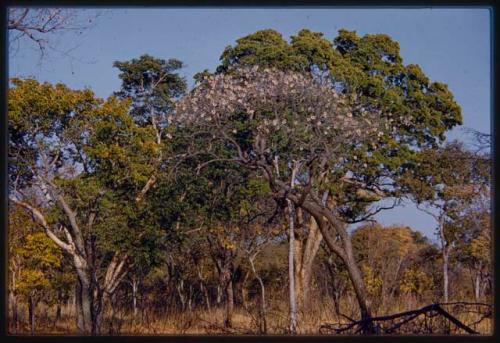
234, 199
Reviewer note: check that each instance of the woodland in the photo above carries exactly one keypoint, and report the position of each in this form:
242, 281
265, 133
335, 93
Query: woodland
245, 204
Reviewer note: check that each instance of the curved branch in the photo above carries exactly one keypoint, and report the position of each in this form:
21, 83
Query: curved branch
40, 218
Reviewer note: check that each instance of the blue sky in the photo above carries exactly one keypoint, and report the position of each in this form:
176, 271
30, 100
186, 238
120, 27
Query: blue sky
451, 45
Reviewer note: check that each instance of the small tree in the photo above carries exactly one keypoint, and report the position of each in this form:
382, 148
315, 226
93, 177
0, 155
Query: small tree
448, 181
41, 258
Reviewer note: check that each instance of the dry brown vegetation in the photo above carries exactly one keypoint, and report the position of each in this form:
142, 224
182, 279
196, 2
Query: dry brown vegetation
203, 322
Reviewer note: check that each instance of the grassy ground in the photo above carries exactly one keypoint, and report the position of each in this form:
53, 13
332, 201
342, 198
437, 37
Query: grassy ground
245, 321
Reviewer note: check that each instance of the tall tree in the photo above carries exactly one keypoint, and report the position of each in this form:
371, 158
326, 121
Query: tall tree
371, 72
271, 119
152, 85
73, 148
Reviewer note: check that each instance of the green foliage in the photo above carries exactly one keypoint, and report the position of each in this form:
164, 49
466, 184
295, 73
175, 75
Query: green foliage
121, 151
41, 259
40, 118
369, 68
414, 112
152, 84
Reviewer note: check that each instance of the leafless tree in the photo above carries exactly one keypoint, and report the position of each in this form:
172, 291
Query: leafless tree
41, 25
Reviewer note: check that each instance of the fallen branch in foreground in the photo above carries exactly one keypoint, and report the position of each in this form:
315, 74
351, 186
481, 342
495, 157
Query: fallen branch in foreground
407, 317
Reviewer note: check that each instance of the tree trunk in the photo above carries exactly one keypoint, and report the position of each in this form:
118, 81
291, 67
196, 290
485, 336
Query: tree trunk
445, 251
445, 274
357, 281
203, 288
291, 271
134, 296
207, 296
325, 219
58, 311
244, 291
304, 263
58, 306
244, 296
218, 300
31, 313
14, 309
477, 286
83, 308
182, 296
190, 298
13, 304
229, 304
263, 310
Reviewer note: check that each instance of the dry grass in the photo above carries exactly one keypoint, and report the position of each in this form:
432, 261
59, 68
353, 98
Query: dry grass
203, 322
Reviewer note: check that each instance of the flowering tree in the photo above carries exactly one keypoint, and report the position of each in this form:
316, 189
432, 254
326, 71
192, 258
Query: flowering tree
369, 70
298, 132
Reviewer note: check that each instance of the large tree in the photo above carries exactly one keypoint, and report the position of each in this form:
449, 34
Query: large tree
73, 150
349, 125
370, 71
284, 124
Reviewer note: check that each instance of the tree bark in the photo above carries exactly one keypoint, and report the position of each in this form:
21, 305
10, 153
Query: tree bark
263, 310
14, 309
218, 300
134, 296
291, 270
203, 288
228, 321
304, 263
31, 313
358, 283
445, 275
325, 220
477, 286
58, 311
445, 251
83, 307
244, 291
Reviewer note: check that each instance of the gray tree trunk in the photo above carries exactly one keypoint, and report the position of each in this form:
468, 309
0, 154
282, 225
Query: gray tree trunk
291, 270
134, 296
228, 321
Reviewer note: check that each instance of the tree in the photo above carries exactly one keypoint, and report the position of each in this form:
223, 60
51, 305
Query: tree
448, 181
72, 148
20, 225
152, 85
371, 72
40, 258
280, 126
387, 255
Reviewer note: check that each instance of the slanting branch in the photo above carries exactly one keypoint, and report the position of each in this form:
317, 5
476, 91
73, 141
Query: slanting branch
40, 219
406, 317
115, 272
149, 184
